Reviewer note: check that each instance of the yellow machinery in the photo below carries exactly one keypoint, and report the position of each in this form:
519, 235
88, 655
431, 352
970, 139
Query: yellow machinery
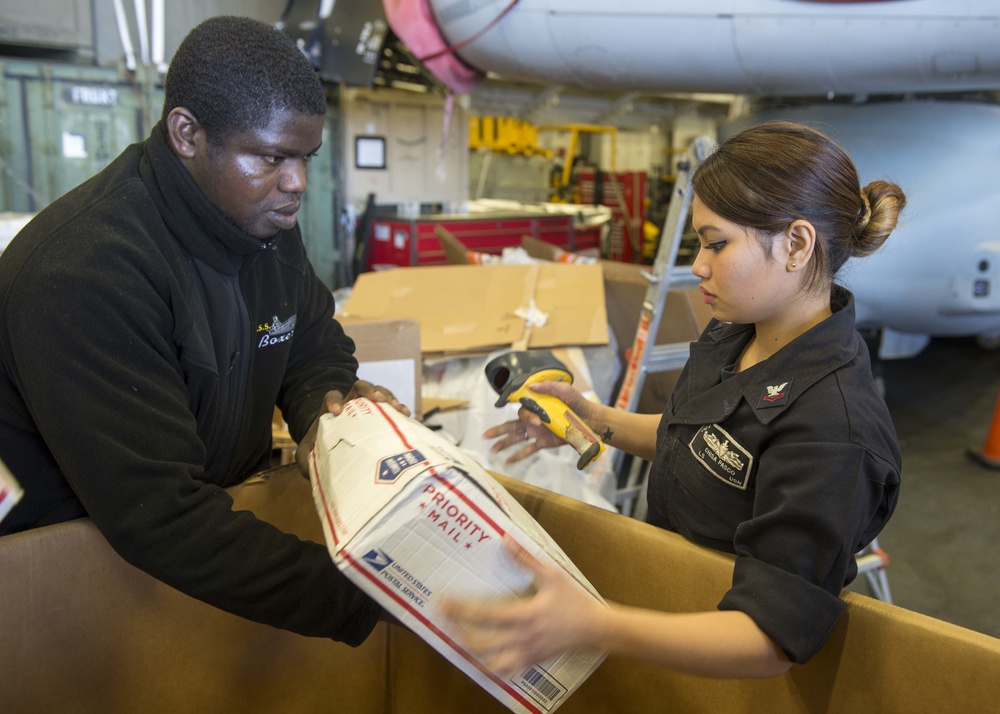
504, 135
563, 182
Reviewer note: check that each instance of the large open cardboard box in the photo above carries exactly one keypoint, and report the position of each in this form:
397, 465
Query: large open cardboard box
82, 631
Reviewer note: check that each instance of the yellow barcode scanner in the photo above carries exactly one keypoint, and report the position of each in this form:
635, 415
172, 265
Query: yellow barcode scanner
511, 376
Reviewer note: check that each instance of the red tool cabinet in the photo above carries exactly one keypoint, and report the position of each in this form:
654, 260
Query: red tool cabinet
627, 200
412, 241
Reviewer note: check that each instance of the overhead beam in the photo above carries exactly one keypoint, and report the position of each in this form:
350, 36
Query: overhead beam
541, 103
620, 107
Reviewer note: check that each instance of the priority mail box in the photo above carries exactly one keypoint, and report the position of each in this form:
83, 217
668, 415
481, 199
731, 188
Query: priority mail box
409, 519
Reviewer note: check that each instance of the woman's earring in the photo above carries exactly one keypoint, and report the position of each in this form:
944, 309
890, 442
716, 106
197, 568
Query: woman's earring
794, 264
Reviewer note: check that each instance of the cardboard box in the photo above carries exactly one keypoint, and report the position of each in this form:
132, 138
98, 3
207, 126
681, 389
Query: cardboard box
409, 519
388, 353
66, 596
684, 317
466, 309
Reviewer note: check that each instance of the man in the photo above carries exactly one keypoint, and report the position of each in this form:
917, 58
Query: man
151, 319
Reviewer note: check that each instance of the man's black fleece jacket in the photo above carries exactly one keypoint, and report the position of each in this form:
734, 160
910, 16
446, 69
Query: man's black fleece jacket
144, 342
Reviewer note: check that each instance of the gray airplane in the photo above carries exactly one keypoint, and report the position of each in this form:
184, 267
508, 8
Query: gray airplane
939, 275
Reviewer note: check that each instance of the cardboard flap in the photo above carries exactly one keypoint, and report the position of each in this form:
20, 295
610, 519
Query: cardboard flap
471, 308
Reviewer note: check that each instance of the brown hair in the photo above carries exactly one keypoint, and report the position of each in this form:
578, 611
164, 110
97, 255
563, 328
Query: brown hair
772, 174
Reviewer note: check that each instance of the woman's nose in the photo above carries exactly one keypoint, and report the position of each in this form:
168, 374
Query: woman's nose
700, 266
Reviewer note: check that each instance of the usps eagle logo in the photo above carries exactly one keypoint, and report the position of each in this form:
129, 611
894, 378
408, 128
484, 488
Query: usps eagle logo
377, 559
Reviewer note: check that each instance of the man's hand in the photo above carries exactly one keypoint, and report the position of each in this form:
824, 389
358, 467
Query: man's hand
371, 391
333, 403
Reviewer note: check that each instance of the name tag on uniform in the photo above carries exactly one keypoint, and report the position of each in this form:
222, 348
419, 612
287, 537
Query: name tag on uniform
722, 455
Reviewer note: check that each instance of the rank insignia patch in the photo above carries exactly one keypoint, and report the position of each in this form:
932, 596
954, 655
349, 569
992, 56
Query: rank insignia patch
775, 395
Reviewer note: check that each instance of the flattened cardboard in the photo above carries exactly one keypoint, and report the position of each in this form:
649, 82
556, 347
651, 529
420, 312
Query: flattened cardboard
409, 518
471, 308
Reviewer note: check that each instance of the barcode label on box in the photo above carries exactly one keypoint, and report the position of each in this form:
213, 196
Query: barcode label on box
540, 686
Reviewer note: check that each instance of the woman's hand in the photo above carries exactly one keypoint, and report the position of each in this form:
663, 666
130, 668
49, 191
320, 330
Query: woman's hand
333, 403
511, 636
529, 430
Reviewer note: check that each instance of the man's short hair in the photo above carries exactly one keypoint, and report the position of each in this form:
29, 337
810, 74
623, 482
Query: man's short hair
233, 73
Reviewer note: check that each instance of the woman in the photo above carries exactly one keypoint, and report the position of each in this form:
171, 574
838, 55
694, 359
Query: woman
775, 445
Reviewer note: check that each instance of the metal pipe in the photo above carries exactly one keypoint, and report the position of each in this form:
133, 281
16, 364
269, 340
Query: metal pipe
123, 33
159, 35
143, 28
